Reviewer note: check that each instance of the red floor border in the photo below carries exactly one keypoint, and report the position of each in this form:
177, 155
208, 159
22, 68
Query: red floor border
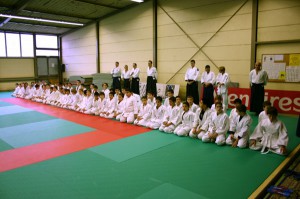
107, 131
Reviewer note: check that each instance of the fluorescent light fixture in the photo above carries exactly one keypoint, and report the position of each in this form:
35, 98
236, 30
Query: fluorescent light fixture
42, 20
139, 1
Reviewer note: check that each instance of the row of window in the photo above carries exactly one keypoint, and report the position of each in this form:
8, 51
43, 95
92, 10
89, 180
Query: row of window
22, 45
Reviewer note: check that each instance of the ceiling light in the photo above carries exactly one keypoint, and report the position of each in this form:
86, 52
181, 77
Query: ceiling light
42, 20
139, 1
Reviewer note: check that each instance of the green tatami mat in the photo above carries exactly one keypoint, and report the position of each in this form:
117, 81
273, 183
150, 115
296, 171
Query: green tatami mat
170, 191
6, 94
124, 149
5, 104
34, 183
206, 169
5, 110
23, 118
4, 146
32, 133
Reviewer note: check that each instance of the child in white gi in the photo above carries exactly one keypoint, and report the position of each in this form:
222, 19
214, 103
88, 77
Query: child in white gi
192, 105
151, 99
95, 105
201, 120
105, 90
108, 111
233, 112
102, 103
120, 106
170, 93
17, 88
218, 126
131, 110
144, 114
270, 135
185, 121
171, 117
157, 114
263, 115
239, 128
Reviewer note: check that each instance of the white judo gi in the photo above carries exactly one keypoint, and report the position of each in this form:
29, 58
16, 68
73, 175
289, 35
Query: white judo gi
219, 124
172, 115
145, 114
130, 110
185, 123
199, 123
157, 115
241, 127
269, 136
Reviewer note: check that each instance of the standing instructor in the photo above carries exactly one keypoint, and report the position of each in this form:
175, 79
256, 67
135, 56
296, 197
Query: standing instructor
191, 76
258, 79
151, 79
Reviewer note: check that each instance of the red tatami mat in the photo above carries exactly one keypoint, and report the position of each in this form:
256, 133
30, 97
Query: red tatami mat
105, 125
32, 154
107, 131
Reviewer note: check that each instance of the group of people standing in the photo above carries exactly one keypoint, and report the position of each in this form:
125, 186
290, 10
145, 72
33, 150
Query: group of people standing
132, 80
208, 81
258, 79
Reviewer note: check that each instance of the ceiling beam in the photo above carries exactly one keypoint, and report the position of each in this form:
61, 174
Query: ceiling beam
99, 4
37, 23
60, 14
19, 6
104, 17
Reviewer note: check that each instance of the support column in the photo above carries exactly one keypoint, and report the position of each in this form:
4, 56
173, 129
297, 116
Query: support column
98, 47
155, 33
254, 33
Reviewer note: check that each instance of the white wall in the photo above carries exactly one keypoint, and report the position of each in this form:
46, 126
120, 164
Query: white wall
200, 20
279, 20
79, 52
128, 38
15, 68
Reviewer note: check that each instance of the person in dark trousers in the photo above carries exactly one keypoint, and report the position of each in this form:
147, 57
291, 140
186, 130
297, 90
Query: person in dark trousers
191, 77
126, 77
116, 75
151, 79
135, 79
258, 79
208, 80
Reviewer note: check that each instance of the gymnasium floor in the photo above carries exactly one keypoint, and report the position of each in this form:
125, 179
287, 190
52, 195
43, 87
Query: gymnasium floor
48, 152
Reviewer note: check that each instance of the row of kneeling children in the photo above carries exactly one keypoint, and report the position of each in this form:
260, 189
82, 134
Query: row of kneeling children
173, 116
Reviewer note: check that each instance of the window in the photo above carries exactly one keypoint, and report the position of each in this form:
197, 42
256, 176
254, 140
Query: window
27, 45
2, 45
46, 41
46, 52
13, 45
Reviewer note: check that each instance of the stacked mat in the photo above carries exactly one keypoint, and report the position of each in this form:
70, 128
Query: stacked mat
100, 78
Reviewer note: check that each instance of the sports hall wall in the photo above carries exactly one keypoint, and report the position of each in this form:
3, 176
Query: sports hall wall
13, 70
214, 32
79, 52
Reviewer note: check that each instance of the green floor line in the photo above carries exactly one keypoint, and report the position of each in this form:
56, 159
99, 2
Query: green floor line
32, 133
168, 190
125, 149
4, 146
23, 118
6, 110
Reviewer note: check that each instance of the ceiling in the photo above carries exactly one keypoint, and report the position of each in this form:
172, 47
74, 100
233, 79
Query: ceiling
78, 11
